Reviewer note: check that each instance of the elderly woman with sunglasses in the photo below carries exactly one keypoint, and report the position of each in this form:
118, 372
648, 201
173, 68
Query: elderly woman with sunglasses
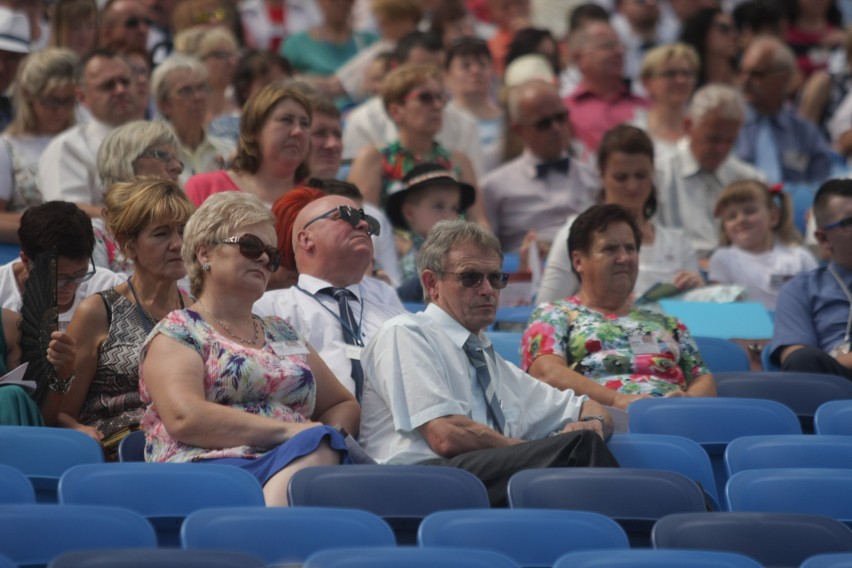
138, 148
147, 216
414, 98
226, 386
44, 100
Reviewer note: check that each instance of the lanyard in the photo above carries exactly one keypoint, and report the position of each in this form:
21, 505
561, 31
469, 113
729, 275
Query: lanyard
848, 297
355, 333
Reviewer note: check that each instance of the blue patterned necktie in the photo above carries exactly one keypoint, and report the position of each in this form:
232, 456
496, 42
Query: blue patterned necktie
477, 359
350, 327
766, 155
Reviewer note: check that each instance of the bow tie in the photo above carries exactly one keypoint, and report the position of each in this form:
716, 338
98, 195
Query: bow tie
561, 165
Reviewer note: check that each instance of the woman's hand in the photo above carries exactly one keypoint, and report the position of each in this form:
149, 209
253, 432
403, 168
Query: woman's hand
60, 353
676, 394
622, 400
687, 280
89, 431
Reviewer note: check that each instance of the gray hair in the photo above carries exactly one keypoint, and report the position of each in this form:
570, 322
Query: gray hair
218, 218
782, 56
726, 102
175, 63
446, 235
123, 146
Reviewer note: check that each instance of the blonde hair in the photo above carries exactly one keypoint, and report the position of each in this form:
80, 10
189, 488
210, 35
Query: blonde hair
660, 55
402, 80
744, 191
218, 218
49, 68
130, 206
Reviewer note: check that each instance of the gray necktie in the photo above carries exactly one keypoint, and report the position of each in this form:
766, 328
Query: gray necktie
351, 332
477, 358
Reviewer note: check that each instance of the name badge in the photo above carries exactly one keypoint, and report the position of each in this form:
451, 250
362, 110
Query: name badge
353, 352
288, 348
644, 344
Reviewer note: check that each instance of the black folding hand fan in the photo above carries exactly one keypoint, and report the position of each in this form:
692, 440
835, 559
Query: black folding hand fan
39, 318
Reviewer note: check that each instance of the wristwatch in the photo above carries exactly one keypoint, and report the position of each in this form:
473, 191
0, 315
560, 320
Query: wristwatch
594, 417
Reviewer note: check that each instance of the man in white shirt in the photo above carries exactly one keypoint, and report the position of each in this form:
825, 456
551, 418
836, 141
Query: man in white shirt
330, 245
539, 189
67, 170
437, 393
65, 227
690, 179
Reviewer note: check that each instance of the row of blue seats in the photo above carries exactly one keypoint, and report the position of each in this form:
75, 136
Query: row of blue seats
35, 535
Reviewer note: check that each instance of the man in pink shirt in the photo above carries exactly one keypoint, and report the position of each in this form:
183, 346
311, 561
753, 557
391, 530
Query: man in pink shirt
602, 99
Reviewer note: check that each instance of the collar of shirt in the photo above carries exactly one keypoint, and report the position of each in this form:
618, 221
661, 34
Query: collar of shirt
582, 92
781, 119
689, 165
313, 285
454, 330
844, 273
97, 129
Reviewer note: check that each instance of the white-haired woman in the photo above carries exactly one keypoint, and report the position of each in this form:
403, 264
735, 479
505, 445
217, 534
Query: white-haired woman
44, 98
138, 148
227, 386
181, 92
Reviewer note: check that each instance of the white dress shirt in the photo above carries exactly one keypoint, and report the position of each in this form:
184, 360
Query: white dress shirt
213, 153
517, 201
417, 371
687, 195
316, 316
68, 171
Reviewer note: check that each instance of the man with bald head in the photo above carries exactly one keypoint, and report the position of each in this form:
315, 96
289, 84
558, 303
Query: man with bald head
124, 26
333, 305
785, 147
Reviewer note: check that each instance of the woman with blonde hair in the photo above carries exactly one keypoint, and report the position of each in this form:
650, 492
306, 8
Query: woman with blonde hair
218, 50
44, 98
226, 386
272, 152
74, 25
147, 217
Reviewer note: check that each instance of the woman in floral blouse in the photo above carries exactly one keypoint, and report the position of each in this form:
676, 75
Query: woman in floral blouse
596, 342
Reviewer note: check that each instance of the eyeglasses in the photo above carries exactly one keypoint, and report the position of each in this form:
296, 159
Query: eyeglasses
252, 248
724, 28
192, 90
845, 224
352, 216
761, 73
222, 55
428, 98
63, 281
160, 155
546, 123
497, 280
676, 74
135, 22
54, 103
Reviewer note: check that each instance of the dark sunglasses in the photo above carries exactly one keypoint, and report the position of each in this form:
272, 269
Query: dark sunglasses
498, 280
546, 123
845, 224
352, 216
135, 22
252, 248
428, 98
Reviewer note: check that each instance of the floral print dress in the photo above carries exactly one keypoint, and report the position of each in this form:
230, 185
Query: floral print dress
639, 353
273, 381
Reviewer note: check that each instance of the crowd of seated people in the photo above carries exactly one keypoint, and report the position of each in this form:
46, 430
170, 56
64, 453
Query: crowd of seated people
238, 201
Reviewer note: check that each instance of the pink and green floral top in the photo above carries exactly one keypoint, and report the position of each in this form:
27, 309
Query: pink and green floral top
273, 381
639, 353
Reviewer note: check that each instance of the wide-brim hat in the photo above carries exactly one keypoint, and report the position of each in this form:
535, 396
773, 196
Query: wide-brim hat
14, 31
420, 177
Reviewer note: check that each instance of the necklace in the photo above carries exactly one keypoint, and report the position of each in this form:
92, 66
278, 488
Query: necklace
227, 328
149, 320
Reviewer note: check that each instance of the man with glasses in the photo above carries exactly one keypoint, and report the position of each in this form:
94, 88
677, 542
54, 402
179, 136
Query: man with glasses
67, 170
436, 393
813, 325
784, 146
544, 185
334, 305
65, 227
124, 25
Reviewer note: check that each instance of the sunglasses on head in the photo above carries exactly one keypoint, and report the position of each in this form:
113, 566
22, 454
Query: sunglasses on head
498, 280
546, 123
350, 215
252, 248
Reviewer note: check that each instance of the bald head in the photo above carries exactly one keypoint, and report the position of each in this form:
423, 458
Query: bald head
766, 71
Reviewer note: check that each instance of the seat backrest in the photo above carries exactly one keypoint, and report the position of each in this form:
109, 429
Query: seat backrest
507, 344
721, 355
408, 556
635, 498
164, 493
15, 487
812, 491
156, 558
766, 452
834, 417
131, 448
284, 535
44, 454
648, 558
530, 537
35, 534
803, 393
838, 560
671, 453
773, 539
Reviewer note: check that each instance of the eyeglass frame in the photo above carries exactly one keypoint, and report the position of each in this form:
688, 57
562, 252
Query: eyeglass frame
492, 278
546, 123
159, 155
845, 224
272, 252
63, 281
428, 98
374, 228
